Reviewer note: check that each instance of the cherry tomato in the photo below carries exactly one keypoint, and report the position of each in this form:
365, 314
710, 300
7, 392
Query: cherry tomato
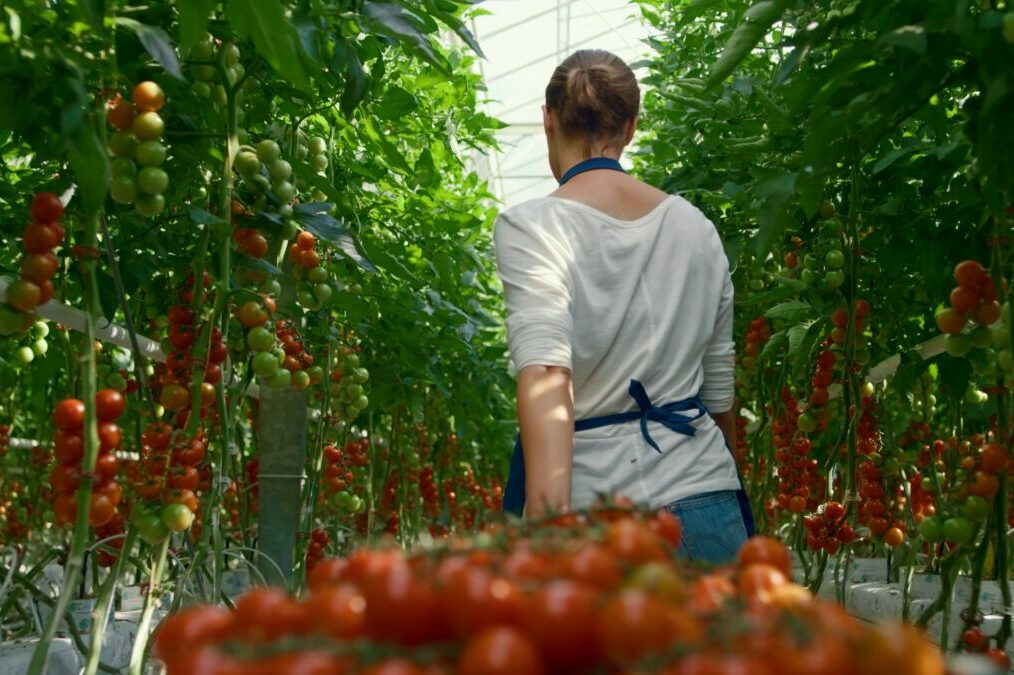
500, 650
148, 96
338, 611
560, 620
190, 628
632, 626
68, 415
765, 550
39, 267
110, 436
65, 478
101, 510
68, 446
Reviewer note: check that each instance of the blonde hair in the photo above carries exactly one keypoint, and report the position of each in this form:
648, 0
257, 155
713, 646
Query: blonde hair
594, 94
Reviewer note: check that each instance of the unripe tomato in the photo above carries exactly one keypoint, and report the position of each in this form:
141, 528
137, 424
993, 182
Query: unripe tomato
177, 517
148, 126
148, 96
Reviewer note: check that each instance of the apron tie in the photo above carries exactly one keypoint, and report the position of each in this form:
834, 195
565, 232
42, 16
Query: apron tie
667, 415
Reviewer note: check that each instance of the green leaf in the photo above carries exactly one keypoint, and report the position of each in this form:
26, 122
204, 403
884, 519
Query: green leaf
265, 23
796, 335
202, 217
243, 260
756, 22
316, 217
92, 11
396, 103
893, 156
357, 82
697, 8
193, 19
792, 311
396, 21
777, 341
107, 295
912, 38
90, 161
156, 42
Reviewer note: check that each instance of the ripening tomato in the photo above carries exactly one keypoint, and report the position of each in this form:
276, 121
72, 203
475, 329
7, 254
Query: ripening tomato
174, 397
24, 295
68, 415
994, 458
393, 666
964, 300
500, 650
988, 313
894, 537
951, 321
969, 274
39, 267
148, 96
986, 485
768, 550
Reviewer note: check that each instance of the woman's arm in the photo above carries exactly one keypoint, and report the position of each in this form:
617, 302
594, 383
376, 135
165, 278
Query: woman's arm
726, 421
546, 417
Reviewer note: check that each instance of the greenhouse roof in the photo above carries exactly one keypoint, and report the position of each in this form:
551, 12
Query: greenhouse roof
524, 40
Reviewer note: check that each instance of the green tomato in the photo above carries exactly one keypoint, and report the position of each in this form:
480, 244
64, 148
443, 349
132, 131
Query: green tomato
833, 279
123, 189
1007, 29
319, 163
247, 163
264, 364
316, 374
1005, 359
318, 275
301, 151
958, 530
361, 402
268, 151
152, 180
341, 500
11, 320
280, 379
219, 96
300, 379
806, 423
957, 345
271, 287
231, 55
150, 206
290, 229
123, 144
360, 375
260, 339
121, 166
826, 209
306, 298
1005, 313
151, 528
317, 145
40, 347
116, 381
148, 126
284, 190
280, 171
352, 360
285, 210
40, 329
24, 355
975, 508
322, 292
932, 529
834, 259
151, 153
201, 89
756, 284
204, 50
809, 277
982, 337
1000, 334
205, 73
177, 517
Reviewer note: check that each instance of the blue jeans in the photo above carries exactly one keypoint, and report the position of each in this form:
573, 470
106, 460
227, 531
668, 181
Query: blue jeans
713, 527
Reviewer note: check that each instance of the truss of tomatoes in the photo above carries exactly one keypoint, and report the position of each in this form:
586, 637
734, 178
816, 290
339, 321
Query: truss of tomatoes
578, 594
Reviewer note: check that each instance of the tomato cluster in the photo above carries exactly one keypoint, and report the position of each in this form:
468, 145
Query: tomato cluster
68, 449
35, 285
313, 287
173, 378
577, 595
975, 640
167, 482
759, 332
348, 378
828, 530
137, 143
339, 480
812, 419
315, 550
800, 486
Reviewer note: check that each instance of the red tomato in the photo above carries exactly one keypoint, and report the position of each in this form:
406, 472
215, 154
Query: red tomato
39, 267
40, 238
190, 628
68, 446
756, 582
110, 436
393, 666
499, 651
595, 565
101, 510
65, 478
403, 609
475, 599
46, 207
765, 550
266, 614
632, 626
109, 404
633, 542
337, 611
68, 415
560, 619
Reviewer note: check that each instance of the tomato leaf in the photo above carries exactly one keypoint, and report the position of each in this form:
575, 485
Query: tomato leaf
912, 38
396, 21
202, 217
265, 23
92, 11
243, 260
108, 299
357, 82
193, 19
156, 42
756, 22
792, 311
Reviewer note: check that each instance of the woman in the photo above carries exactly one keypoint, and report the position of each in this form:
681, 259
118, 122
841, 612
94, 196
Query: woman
619, 317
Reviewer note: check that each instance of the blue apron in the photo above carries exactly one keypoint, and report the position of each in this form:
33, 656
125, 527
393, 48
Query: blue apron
668, 415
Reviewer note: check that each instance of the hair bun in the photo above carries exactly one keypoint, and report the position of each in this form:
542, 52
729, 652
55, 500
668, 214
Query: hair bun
594, 93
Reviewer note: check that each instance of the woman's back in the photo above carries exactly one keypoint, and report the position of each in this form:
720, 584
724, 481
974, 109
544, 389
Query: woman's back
614, 299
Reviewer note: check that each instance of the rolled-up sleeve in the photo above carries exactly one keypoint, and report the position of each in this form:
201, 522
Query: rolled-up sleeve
536, 276
718, 390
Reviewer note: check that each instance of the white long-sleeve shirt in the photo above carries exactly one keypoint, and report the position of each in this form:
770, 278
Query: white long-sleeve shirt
614, 300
